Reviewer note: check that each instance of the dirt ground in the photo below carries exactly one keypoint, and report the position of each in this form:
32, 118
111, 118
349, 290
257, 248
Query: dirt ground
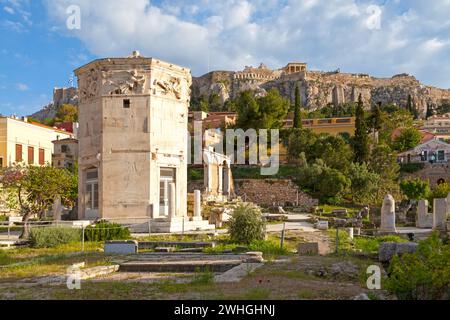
304, 277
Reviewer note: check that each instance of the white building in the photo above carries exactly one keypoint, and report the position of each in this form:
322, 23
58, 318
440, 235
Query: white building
29, 143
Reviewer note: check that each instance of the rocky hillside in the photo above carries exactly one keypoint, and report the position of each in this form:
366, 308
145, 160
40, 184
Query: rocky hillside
321, 88
317, 89
60, 96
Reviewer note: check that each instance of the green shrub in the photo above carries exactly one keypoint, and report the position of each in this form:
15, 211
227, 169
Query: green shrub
411, 167
195, 174
424, 275
50, 237
268, 248
105, 230
3, 218
246, 224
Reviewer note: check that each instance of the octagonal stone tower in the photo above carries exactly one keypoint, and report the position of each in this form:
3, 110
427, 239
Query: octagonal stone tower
133, 115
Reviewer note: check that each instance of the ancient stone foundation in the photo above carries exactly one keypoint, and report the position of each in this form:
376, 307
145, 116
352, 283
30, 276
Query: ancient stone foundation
270, 192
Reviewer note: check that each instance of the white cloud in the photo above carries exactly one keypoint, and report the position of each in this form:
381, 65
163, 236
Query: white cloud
8, 10
22, 87
229, 34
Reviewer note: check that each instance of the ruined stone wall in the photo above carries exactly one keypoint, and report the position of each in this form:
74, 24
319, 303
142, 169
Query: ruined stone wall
272, 192
433, 173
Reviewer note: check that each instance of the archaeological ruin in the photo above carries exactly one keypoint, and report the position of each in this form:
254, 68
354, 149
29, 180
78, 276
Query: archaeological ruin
133, 117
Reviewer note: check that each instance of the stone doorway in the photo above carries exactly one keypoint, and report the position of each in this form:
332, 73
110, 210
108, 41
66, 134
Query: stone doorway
166, 177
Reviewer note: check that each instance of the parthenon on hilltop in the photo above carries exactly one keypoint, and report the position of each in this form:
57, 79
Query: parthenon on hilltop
264, 73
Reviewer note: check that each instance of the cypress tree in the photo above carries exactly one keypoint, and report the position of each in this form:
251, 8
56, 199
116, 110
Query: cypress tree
377, 121
361, 138
409, 105
429, 111
297, 109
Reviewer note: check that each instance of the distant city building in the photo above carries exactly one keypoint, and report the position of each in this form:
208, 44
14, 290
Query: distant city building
432, 151
213, 120
65, 153
29, 143
439, 126
426, 136
333, 126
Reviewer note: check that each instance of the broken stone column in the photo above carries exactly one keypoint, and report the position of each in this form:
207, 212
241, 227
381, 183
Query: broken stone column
388, 215
440, 214
172, 201
424, 219
57, 209
197, 205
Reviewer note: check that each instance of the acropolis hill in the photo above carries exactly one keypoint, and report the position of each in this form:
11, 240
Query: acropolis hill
320, 88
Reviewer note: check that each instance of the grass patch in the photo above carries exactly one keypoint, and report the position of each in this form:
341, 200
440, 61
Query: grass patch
327, 209
305, 294
203, 278
371, 245
257, 294
269, 248
360, 244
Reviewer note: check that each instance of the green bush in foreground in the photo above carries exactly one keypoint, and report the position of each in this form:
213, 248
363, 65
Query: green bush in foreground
370, 245
104, 231
50, 237
246, 224
424, 275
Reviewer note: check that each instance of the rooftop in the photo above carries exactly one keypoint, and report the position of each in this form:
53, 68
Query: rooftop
24, 120
135, 58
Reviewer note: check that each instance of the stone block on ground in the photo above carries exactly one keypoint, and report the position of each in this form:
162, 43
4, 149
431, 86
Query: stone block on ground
237, 273
388, 250
165, 249
341, 213
121, 247
311, 248
322, 225
253, 257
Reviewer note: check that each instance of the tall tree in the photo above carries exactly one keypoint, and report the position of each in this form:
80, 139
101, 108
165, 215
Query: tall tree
297, 109
429, 111
408, 139
263, 112
409, 103
411, 107
377, 119
361, 138
67, 113
37, 188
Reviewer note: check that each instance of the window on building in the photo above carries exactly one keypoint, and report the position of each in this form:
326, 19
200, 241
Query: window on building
1, 162
92, 189
41, 157
64, 148
424, 156
19, 153
441, 155
126, 103
30, 155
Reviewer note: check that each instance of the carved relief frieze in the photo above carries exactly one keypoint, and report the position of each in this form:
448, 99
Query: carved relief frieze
89, 85
123, 82
169, 87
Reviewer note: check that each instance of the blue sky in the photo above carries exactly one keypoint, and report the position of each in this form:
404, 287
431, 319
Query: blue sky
383, 38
